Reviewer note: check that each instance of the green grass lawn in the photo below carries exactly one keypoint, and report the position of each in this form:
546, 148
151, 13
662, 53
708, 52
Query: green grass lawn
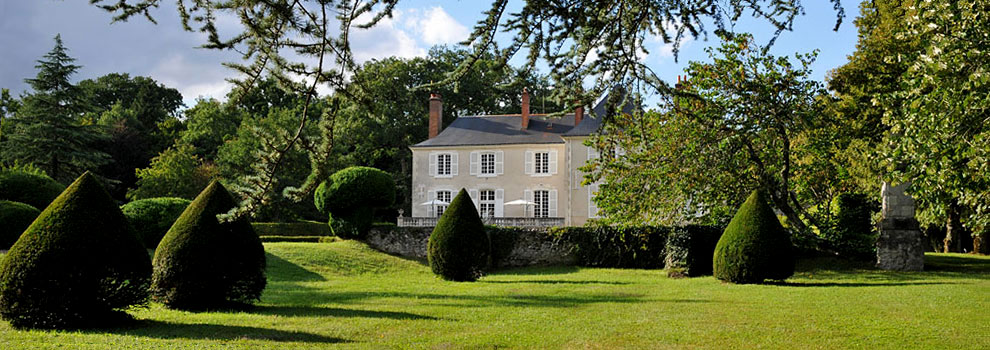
345, 295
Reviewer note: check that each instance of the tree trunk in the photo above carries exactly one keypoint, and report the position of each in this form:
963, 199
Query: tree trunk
956, 237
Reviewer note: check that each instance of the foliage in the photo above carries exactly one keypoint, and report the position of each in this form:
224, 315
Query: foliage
29, 185
152, 217
690, 249
642, 247
16, 217
730, 128
176, 172
755, 246
231, 250
350, 197
301, 228
579, 39
77, 265
210, 124
306, 239
853, 235
459, 249
48, 131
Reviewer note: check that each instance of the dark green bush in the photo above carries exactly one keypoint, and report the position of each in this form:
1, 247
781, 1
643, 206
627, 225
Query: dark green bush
203, 263
14, 218
755, 246
78, 265
350, 196
690, 249
852, 235
640, 247
29, 186
300, 228
459, 249
152, 217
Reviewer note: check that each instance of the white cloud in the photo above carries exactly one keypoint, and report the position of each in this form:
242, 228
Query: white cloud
383, 40
193, 79
436, 26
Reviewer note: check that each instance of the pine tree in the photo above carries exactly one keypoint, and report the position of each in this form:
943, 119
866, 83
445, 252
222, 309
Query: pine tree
47, 130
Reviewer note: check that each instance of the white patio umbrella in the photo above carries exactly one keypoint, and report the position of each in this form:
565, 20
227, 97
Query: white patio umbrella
433, 205
522, 202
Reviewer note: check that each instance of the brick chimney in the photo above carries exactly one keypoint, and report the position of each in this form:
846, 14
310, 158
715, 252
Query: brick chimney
525, 109
578, 114
436, 114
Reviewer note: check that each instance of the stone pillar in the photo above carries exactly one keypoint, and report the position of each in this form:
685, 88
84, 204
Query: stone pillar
900, 245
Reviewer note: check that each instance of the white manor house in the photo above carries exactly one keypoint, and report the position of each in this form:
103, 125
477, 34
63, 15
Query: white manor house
520, 169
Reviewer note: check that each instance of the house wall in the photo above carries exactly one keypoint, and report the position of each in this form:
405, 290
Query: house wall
513, 180
572, 197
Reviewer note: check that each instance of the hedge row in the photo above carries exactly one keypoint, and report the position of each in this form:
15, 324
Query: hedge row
301, 228
308, 239
687, 250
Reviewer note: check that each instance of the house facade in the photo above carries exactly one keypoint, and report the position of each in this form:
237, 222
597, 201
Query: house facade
520, 169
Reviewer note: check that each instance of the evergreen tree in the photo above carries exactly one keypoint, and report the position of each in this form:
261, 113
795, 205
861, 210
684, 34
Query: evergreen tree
47, 128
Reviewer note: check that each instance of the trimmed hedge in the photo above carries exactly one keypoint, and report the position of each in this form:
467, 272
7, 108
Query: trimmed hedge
78, 265
152, 217
690, 249
754, 247
203, 263
28, 186
14, 218
350, 196
300, 228
642, 247
459, 248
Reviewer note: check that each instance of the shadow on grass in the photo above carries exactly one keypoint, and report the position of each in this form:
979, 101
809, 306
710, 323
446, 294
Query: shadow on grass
536, 271
554, 282
206, 331
303, 311
851, 284
517, 300
281, 270
963, 263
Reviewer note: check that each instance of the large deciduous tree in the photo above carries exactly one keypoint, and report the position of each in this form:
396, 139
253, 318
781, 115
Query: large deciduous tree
577, 39
48, 130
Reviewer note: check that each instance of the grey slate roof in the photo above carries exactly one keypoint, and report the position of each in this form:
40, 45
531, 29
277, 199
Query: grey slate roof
501, 130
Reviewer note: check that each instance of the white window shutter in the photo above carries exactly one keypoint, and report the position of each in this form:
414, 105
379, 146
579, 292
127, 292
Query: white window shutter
553, 162
433, 164
499, 162
553, 204
592, 153
474, 198
453, 164
499, 200
430, 196
529, 162
475, 163
528, 209
592, 206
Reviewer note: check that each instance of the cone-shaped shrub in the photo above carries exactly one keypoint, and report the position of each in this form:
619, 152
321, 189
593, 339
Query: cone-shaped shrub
755, 246
459, 249
153, 217
14, 218
203, 263
78, 265
28, 186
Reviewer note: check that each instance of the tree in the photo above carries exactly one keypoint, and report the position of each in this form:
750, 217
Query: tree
729, 130
576, 39
176, 172
209, 124
459, 248
350, 197
48, 131
754, 246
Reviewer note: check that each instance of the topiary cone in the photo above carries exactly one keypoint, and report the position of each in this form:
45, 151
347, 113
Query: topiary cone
459, 249
78, 264
754, 247
203, 263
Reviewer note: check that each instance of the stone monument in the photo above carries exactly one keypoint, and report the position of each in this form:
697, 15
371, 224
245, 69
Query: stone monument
900, 245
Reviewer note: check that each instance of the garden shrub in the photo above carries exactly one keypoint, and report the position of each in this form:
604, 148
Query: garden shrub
78, 265
690, 249
459, 249
14, 218
203, 263
350, 196
300, 228
617, 246
754, 247
28, 185
152, 217
852, 235
304, 239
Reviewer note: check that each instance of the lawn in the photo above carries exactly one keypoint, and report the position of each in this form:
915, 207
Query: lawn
345, 295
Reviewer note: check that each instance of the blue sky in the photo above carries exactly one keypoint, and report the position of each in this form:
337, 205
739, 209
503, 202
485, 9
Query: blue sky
168, 54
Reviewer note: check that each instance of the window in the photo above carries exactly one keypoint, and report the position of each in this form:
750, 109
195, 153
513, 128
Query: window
541, 162
487, 203
488, 164
542, 200
442, 196
443, 164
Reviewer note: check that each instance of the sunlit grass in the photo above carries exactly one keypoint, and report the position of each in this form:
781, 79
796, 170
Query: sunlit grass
345, 295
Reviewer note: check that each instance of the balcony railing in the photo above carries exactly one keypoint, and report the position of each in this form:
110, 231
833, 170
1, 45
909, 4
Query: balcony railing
404, 221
